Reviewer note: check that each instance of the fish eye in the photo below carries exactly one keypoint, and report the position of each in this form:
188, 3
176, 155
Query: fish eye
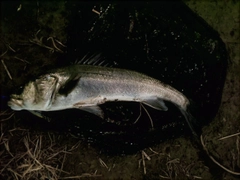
48, 78
19, 90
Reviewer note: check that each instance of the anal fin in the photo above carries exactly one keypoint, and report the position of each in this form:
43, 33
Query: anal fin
155, 103
94, 110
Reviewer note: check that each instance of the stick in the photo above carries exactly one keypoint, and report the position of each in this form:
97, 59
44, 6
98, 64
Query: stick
4, 53
148, 115
81, 176
145, 155
5, 67
226, 169
142, 106
7, 117
95, 11
103, 163
54, 45
144, 164
21, 60
231, 135
140, 109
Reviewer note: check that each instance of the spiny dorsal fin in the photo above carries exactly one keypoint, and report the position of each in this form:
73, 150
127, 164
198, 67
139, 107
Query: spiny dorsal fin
96, 60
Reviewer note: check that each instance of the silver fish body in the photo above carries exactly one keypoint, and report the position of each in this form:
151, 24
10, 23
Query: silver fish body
86, 86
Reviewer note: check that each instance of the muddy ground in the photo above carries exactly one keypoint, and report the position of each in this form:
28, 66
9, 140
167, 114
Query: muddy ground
27, 154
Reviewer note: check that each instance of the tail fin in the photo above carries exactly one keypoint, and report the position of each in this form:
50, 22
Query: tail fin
191, 120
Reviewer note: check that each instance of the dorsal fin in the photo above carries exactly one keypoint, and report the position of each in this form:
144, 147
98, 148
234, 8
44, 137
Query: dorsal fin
95, 59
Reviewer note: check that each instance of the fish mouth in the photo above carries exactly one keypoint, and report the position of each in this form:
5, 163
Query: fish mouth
15, 102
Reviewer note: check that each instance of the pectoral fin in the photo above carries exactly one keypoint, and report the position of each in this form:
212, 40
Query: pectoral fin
37, 113
94, 110
70, 85
155, 103
40, 115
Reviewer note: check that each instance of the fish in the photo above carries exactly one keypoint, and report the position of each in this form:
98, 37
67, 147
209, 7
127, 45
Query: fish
87, 86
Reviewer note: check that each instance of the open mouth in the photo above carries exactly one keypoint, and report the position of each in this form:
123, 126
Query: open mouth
15, 103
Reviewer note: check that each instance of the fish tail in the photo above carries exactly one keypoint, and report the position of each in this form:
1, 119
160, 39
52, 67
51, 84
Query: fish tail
192, 122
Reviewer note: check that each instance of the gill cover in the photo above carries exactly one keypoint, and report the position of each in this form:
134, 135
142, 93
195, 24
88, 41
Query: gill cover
46, 86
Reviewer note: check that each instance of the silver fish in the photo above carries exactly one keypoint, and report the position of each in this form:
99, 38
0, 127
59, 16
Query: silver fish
86, 86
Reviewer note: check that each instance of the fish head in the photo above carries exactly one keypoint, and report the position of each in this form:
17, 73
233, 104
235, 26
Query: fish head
36, 94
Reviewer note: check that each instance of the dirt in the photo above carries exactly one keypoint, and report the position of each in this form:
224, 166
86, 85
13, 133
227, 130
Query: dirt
178, 158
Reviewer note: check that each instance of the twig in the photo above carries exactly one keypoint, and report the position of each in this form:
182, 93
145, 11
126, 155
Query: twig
74, 146
29, 152
54, 45
15, 173
95, 11
7, 165
17, 129
6, 69
148, 115
63, 161
39, 42
194, 177
2, 113
155, 152
60, 43
140, 110
145, 155
231, 135
226, 169
3, 53
7, 117
23, 60
6, 144
173, 161
81, 176
142, 106
164, 177
144, 164
11, 48
103, 163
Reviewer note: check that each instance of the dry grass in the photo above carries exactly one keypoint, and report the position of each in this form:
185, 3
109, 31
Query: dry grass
170, 168
54, 47
37, 155
32, 155
235, 157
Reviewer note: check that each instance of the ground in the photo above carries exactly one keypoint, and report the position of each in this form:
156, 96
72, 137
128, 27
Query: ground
27, 154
